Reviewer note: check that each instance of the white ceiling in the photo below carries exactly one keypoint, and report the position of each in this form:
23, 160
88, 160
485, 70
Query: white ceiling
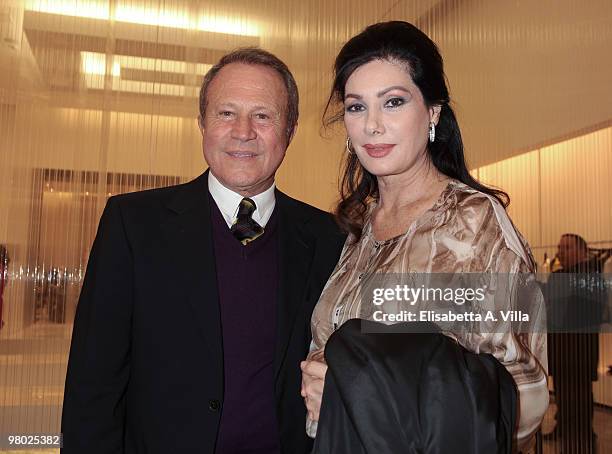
522, 73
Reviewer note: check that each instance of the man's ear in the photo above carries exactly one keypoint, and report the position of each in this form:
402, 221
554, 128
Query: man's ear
434, 114
201, 123
292, 135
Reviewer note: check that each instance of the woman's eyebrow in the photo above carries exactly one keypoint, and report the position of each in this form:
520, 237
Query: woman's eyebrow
352, 95
394, 87
380, 93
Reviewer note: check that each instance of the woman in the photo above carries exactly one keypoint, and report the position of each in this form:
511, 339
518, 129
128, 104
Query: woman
409, 204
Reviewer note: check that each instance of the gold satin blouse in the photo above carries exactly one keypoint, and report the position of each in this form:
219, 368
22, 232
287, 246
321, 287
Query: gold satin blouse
465, 231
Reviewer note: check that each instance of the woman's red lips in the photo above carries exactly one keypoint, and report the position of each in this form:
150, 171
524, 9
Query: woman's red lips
378, 150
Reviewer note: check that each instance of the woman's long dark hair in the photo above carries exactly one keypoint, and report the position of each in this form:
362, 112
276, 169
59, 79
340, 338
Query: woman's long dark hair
401, 42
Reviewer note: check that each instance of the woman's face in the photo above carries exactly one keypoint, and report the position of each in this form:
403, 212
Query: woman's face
386, 118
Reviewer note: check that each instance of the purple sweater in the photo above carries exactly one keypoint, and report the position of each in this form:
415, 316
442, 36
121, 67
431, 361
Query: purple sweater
248, 281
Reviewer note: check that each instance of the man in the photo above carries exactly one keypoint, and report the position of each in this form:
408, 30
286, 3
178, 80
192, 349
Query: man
195, 309
4, 262
576, 302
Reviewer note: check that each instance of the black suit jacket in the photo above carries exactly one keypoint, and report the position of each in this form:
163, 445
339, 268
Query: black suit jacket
576, 300
145, 373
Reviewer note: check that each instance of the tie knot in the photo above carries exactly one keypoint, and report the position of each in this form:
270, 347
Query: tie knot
245, 229
246, 208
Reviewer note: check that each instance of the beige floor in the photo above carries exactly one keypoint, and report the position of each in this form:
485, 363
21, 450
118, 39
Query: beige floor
602, 422
603, 428
32, 373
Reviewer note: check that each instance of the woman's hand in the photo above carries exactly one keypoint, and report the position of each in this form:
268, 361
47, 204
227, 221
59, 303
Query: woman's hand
313, 380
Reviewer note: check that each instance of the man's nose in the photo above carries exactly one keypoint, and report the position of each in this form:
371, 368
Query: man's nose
243, 129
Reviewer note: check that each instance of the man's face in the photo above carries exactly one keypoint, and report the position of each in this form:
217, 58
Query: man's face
569, 253
244, 127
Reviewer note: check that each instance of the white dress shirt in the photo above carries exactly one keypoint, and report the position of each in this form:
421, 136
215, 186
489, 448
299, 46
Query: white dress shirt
228, 202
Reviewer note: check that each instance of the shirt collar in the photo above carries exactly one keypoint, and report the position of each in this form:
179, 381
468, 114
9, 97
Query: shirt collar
228, 201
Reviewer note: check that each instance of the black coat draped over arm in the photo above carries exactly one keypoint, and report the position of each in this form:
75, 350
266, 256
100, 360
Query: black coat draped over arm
390, 392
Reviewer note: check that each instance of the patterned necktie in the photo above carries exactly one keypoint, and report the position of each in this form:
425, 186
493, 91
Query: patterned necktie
245, 229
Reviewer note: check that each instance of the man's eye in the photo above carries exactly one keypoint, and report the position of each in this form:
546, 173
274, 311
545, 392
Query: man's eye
354, 108
395, 102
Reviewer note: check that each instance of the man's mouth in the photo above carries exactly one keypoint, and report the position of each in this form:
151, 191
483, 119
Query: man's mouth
242, 154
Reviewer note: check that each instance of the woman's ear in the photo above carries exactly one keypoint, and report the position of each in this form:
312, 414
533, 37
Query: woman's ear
434, 113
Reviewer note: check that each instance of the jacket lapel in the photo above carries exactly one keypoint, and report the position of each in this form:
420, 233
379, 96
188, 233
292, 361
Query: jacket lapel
296, 250
189, 228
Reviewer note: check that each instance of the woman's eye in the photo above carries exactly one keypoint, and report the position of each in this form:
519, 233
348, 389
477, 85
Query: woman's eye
395, 102
354, 108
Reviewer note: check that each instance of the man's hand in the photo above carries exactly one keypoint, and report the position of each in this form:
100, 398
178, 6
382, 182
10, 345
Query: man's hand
313, 380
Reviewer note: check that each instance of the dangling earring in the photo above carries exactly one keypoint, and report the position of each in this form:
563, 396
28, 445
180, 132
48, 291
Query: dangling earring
432, 131
348, 146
